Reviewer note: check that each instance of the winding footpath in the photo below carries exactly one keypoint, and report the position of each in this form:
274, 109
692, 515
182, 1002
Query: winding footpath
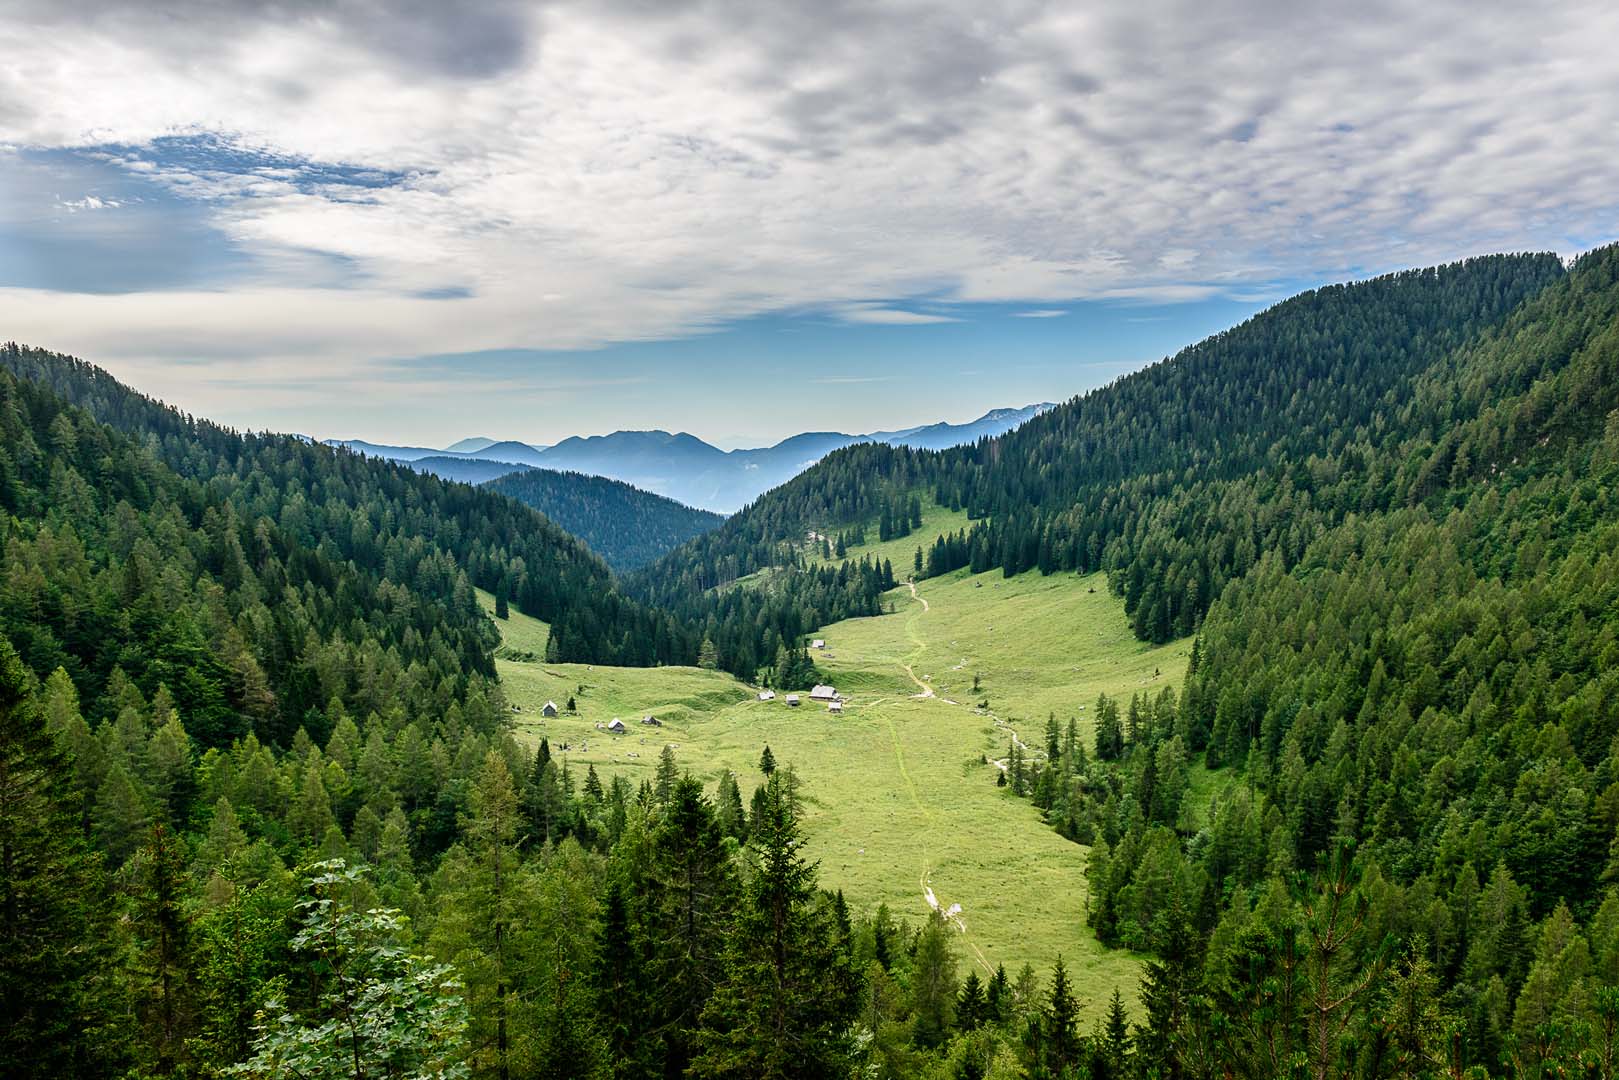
952, 914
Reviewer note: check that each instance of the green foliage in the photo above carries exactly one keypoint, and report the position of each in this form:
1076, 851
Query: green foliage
1174, 480
789, 993
1370, 837
933, 984
375, 1009
58, 991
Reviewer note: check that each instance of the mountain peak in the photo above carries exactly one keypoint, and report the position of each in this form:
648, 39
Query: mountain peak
471, 445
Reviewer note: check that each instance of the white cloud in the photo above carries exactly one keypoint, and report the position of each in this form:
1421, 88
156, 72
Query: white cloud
1040, 313
884, 316
585, 173
88, 202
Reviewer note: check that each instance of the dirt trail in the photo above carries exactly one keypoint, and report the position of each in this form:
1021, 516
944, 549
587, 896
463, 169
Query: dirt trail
1002, 725
952, 914
916, 639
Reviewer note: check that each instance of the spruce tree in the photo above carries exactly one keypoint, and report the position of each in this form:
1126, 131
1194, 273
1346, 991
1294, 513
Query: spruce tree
998, 996
1052, 1041
162, 928
882, 933
57, 971
692, 896
728, 808
933, 984
621, 1007
1113, 1042
493, 889
972, 1008
1167, 989
789, 994
667, 775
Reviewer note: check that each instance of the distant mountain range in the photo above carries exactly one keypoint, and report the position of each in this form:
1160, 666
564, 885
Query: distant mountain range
680, 466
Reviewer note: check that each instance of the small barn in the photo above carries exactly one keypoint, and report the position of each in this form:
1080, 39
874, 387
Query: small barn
792, 700
616, 726
818, 643
836, 706
823, 693
651, 721
767, 695
549, 709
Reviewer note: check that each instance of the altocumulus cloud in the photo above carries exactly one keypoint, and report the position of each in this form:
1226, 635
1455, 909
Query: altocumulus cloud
401, 178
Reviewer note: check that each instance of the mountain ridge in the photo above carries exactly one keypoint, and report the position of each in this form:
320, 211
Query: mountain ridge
680, 466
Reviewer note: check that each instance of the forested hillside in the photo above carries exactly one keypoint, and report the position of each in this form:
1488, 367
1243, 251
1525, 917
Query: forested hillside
626, 526
396, 527
1173, 479
1423, 705
128, 578
235, 668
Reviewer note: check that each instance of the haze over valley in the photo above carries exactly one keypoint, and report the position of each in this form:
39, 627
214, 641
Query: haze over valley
682, 467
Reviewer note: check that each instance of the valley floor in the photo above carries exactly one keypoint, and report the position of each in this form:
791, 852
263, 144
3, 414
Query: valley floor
901, 802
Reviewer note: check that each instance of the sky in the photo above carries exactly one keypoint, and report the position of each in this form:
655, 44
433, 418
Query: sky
410, 221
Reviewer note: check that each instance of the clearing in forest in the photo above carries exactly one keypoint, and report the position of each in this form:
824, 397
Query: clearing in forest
901, 802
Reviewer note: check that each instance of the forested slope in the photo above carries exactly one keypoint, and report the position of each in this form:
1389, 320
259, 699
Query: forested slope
395, 526
1174, 479
626, 526
1423, 707
129, 577
232, 669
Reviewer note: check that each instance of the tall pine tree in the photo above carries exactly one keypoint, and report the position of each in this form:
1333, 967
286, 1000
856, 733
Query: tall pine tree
789, 993
56, 966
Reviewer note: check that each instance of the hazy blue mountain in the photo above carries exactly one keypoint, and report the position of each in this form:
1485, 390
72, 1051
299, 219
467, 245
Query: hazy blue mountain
465, 470
680, 465
519, 453
509, 450
382, 450
943, 436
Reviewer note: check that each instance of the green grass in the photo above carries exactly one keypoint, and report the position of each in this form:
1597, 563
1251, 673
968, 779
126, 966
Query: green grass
901, 553
899, 798
1039, 645
519, 634
936, 522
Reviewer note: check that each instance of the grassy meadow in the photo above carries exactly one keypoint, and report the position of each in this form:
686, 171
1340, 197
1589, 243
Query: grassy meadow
937, 521
900, 801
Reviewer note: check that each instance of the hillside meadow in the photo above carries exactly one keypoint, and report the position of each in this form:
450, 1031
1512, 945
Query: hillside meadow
900, 794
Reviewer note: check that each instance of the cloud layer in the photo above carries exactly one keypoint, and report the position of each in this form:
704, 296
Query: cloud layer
378, 180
